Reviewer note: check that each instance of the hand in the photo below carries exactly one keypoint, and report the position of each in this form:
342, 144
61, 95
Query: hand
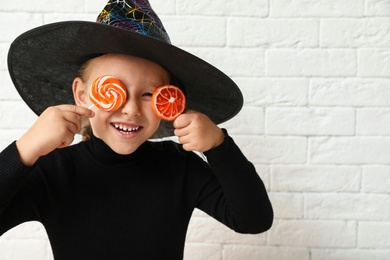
197, 132
54, 128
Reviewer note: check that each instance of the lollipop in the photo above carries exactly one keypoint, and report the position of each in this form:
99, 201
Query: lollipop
168, 102
107, 93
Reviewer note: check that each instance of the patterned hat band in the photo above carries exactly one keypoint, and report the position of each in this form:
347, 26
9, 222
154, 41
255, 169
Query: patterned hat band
134, 15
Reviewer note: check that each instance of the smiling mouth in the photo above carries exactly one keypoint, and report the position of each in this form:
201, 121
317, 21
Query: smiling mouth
125, 129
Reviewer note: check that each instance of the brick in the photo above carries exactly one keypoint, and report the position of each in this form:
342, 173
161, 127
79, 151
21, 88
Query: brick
8, 136
313, 233
4, 48
260, 150
311, 62
48, 6
350, 92
250, 121
359, 33
23, 249
377, 8
274, 91
350, 150
374, 63
226, 8
308, 178
319, 8
9, 91
59, 17
96, 6
233, 252
198, 251
192, 31
26, 21
338, 206
49, 252
233, 62
374, 121
287, 205
276, 33
374, 235
160, 7
15, 114
355, 254
310, 121
208, 230
264, 172
376, 179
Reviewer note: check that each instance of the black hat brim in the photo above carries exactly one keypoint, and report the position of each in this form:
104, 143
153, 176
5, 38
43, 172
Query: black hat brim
44, 61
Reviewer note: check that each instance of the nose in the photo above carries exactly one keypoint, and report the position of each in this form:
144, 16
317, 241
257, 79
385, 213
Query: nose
131, 107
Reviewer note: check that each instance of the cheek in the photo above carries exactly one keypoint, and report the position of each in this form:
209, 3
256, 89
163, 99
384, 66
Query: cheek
99, 120
153, 119
147, 108
156, 122
148, 111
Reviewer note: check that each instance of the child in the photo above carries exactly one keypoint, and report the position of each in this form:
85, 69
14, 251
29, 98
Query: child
117, 195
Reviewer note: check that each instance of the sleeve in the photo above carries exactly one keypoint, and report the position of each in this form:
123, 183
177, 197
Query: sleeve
14, 208
236, 196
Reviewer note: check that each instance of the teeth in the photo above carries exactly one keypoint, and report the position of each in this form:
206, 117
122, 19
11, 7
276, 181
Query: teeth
125, 129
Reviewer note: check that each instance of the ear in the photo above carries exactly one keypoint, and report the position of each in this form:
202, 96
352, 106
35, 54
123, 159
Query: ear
80, 92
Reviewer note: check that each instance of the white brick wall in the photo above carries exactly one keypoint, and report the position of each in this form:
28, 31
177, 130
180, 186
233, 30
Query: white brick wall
316, 122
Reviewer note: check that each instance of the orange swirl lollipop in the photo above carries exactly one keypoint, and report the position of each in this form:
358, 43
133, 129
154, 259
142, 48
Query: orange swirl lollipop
168, 102
107, 93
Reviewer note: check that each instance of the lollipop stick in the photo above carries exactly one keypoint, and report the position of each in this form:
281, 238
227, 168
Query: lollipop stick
91, 106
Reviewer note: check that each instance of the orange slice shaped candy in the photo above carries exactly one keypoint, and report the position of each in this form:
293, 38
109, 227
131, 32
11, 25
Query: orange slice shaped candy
107, 93
168, 102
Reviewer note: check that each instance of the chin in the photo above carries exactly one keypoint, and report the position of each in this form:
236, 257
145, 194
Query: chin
124, 150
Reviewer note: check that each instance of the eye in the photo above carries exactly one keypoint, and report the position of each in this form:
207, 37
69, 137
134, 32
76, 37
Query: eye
147, 94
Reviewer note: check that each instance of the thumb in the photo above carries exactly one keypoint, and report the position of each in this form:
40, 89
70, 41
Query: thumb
184, 119
181, 121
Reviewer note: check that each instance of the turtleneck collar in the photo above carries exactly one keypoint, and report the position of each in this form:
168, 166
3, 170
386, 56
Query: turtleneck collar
104, 153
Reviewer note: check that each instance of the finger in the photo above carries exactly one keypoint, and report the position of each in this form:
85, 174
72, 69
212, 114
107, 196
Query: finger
186, 148
79, 110
73, 127
183, 140
66, 141
182, 121
180, 132
73, 121
188, 142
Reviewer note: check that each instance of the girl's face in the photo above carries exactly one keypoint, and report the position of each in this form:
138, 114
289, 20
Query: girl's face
125, 129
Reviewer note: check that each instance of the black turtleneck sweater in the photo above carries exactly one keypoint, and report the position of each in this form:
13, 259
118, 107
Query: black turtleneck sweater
96, 204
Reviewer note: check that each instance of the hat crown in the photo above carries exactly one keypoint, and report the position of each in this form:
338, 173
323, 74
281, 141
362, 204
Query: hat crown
134, 15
